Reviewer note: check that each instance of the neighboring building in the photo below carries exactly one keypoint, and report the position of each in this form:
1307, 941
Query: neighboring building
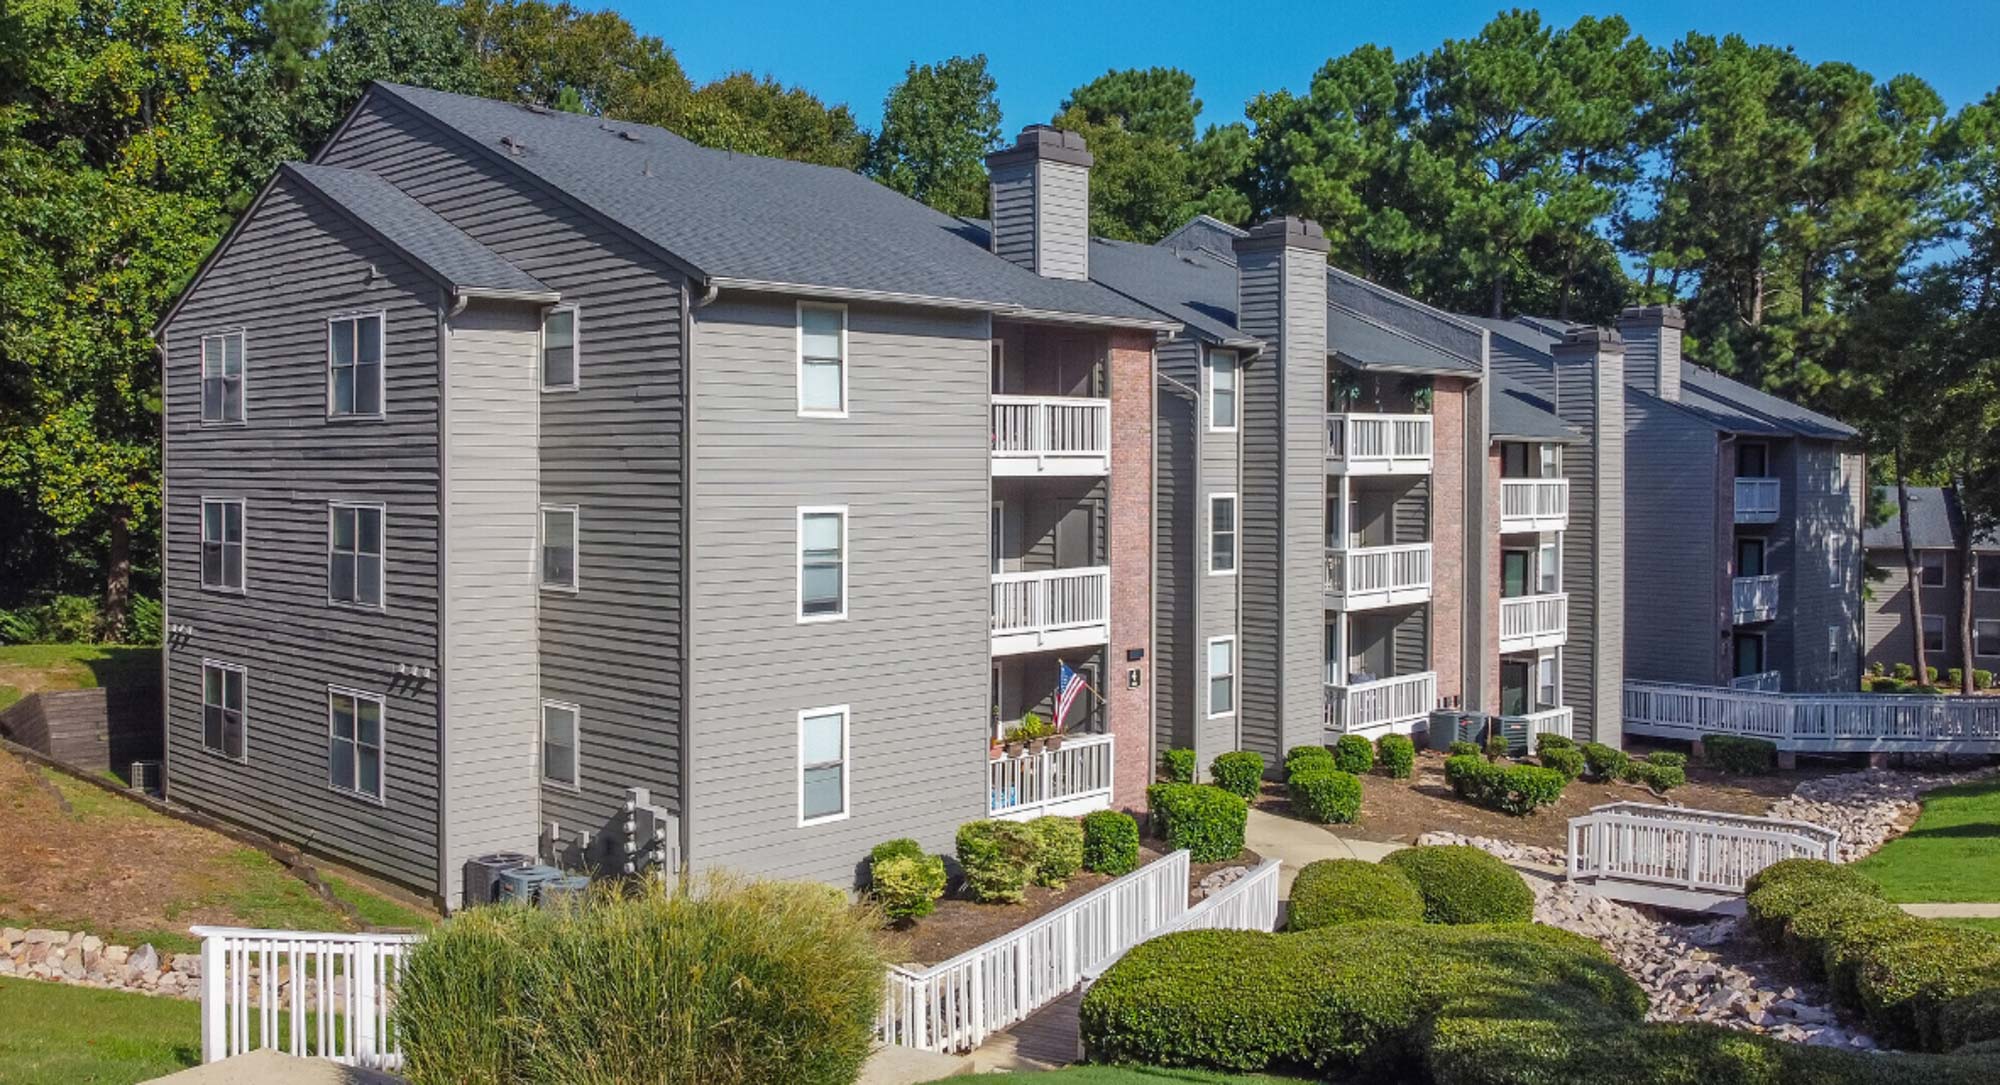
1936, 526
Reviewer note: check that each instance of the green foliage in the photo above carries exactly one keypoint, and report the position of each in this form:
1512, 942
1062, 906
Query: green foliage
1151, 172
1736, 753
1398, 755
1325, 795
145, 623
1603, 762
1904, 672
1564, 759
1110, 842
1301, 758
1177, 766
1496, 746
902, 847
1207, 821
937, 126
1669, 758
1549, 740
1661, 778
1353, 754
998, 858
1239, 772
1461, 884
1058, 850
907, 886
1512, 789
1329, 892
1462, 748
1982, 679
1030, 728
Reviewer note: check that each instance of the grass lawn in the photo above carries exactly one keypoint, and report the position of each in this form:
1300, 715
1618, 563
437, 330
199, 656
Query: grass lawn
1989, 925
1951, 854
31, 668
51, 1034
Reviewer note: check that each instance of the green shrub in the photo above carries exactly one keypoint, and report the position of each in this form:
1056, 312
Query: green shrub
145, 621
1567, 760
1178, 766
1604, 763
1904, 671
1326, 795
1668, 758
1496, 746
1207, 821
1329, 892
1739, 753
1058, 850
1461, 884
1461, 748
907, 886
1239, 772
1661, 778
1930, 676
1398, 755
725, 983
1905, 980
1973, 1019
1776, 893
998, 858
62, 619
901, 847
1110, 843
1954, 678
1982, 679
1513, 789
1550, 740
1353, 754
1300, 758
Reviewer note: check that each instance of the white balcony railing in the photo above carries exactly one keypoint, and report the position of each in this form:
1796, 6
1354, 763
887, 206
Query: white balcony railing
1378, 444
1058, 608
1762, 682
1756, 500
1534, 504
1384, 703
1754, 598
1051, 435
1560, 720
1073, 779
1368, 577
1529, 622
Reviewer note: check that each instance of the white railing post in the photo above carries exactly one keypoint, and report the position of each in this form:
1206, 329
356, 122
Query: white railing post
214, 1004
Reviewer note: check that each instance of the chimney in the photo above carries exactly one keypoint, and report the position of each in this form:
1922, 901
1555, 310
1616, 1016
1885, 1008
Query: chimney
1041, 202
1653, 348
1592, 366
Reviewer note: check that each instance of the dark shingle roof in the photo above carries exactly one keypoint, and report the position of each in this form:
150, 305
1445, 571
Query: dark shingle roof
1780, 412
1193, 286
1520, 414
452, 257
1370, 345
1934, 524
749, 221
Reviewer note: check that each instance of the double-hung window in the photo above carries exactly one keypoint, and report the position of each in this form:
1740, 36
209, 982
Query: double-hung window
1222, 533
222, 377
1986, 572
822, 564
822, 764
222, 711
559, 547
1548, 566
1930, 568
822, 360
1221, 676
221, 544
1222, 384
354, 366
354, 752
354, 555
1986, 637
1545, 682
560, 343
559, 743
1933, 632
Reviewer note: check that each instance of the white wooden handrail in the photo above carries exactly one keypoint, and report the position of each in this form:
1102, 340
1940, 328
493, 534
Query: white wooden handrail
1077, 774
1698, 850
1380, 703
1756, 500
1754, 598
1379, 443
1058, 434
1050, 600
1533, 621
1534, 504
1816, 722
322, 995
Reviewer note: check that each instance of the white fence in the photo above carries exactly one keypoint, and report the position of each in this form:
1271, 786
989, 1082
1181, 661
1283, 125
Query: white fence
1249, 903
1071, 779
1053, 434
1816, 722
1560, 720
1056, 608
1534, 504
1379, 444
1762, 681
1381, 703
1374, 576
1756, 500
1753, 598
311, 995
1699, 850
1528, 622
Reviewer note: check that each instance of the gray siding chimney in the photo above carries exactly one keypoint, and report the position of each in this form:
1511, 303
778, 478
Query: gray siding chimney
1653, 348
1590, 371
1041, 202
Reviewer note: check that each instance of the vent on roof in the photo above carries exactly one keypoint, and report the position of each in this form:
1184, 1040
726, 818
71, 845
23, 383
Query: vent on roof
622, 133
538, 109
513, 145
647, 169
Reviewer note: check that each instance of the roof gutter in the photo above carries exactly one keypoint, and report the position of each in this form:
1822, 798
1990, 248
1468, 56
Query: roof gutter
461, 296
895, 297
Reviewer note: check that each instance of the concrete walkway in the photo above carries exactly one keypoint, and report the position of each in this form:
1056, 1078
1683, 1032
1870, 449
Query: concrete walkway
1297, 843
1953, 911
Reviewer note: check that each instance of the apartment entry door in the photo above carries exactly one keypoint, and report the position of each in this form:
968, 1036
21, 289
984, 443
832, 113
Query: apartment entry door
1515, 679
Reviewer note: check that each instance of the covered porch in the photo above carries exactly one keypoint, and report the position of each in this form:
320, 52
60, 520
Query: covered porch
1378, 676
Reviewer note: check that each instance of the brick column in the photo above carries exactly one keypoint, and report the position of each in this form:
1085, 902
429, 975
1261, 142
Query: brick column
1448, 581
1128, 709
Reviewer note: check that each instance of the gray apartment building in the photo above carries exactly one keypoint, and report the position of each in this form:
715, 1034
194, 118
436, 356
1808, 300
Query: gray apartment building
1936, 528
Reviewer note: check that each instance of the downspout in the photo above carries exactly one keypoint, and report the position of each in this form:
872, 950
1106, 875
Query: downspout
442, 693
685, 812
1194, 537
160, 347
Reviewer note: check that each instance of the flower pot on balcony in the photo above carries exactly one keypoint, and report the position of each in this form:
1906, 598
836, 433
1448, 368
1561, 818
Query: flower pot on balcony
1035, 745
1014, 749
1052, 743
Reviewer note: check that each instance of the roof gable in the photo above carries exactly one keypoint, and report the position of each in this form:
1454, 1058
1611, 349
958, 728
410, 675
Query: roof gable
449, 254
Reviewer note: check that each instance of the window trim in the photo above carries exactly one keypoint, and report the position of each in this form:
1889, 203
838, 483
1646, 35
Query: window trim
1944, 633
1763, 654
575, 784
243, 556
799, 331
1236, 392
1977, 637
201, 736
1553, 660
242, 380
1208, 677
381, 743
1551, 548
799, 557
998, 374
846, 764
1977, 556
1924, 567
575, 312
381, 370
575, 586
1235, 533
382, 569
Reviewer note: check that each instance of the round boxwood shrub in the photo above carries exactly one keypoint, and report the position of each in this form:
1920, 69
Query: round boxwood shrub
1661, 778
1177, 766
1461, 747
1300, 758
1239, 772
907, 886
1326, 795
998, 858
1329, 892
1550, 740
1461, 884
1774, 894
1352, 753
1398, 755
1737, 753
1603, 762
1567, 760
1207, 821
1512, 789
1058, 850
1110, 842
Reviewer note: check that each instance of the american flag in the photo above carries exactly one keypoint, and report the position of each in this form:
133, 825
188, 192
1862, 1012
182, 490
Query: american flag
1068, 684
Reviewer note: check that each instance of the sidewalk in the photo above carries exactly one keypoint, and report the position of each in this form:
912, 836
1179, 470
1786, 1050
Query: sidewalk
1953, 911
1297, 843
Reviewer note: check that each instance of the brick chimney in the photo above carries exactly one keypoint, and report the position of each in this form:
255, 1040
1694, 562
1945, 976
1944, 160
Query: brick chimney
1591, 367
1653, 348
1041, 202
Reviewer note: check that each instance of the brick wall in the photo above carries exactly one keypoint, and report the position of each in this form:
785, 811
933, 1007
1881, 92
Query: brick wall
1447, 625
1129, 709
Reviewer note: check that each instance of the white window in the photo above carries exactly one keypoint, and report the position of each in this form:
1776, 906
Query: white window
562, 344
1930, 568
1545, 682
354, 755
354, 555
1221, 676
822, 765
354, 349
1833, 562
1550, 469
1986, 572
1548, 562
822, 564
1986, 637
999, 367
221, 544
1222, 385
222, 709
1933, 632
1222, 532
560, 743
823, 360
222, 377
559, 547
1833, 648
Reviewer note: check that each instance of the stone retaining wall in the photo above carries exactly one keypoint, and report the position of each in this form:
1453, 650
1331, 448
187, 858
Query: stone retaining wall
84, 960
93, 730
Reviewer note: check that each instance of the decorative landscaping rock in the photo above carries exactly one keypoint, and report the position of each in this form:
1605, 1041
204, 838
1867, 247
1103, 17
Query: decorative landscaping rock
1504, 850
85, 960
1219, 880
1867, 808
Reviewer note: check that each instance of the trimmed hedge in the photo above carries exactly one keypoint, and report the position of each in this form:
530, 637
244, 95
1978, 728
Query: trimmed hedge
1177, 766
1353, 754
1398, 755
1239, 772
998, 858
1549, 740
1669, 758
1207, 821
1603, 762
1567, 760
1326, 795
1462, 747
903, 880
1110, 842
1300, 758
1329, 892
1461, 884
1058, 850
1512, 789
1736, 753
1660, 777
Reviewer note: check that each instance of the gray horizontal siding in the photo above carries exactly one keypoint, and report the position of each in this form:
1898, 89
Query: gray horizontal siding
1670, 554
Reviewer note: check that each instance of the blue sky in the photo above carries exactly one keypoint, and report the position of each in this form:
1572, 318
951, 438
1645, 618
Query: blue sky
853, 52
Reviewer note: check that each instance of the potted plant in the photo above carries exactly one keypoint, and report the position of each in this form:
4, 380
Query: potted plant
1031, 732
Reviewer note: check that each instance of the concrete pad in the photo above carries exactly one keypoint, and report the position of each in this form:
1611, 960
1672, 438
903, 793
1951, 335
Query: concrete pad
1953, 911
272, 1068
1297, 843
907, 1066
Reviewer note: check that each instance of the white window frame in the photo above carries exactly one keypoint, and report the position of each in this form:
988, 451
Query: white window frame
997, 377
1977, 583
575, 782
575, 349
1932, 559
1835, 566
1552, 661
1548, 567
1208, 678
1833, 648
242, 546
846, 764
241, 335
1235, 533
575, 513
333, 509
1236, 390
381, 744
381, 370
1943, 635
846, 360
799, 555
242, 674
1548, 462
1979, 638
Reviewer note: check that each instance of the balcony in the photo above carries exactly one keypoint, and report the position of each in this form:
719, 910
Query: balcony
1384, 704
1549, 721
1531, 622
1372, 577
1756, 501
1071, 780
1761, 682
1378, 444
1533, 504
1059, 608
1754, 598
1053, 436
